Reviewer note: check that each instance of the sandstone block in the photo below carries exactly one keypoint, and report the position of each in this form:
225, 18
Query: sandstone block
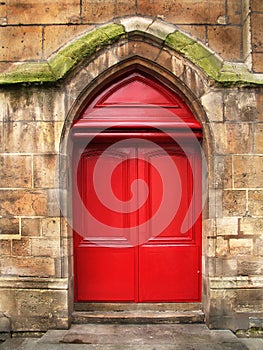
67, 247
166, 59
5, 323
209, 247
259, 106
255, 203
257, 62
20, 45
240, 106
234, 203
181, 12
21, 202
3, 6
198, 31
251, 226
257, 32
228, 173
45, 247
213, 105
16, 171
234, 12
259, 246
248, 171
21, 247
27, 266
215, 203
226, 226
31, 227
249, 300
249, 266
222, 247
225, 41
256, 5
39, 309
58, 36
229, 266
209, 227
36, 137
241, 246
51, 227
219, 133
66, 230
193, 81
258, 138
30, 11
241, 132
33, 104
9, 226
139, 48
102, 11
5, 247
221, 176
46, 171
53, 205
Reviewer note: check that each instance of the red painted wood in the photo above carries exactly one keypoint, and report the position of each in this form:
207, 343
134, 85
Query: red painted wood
158, 268
170, 263
135, 102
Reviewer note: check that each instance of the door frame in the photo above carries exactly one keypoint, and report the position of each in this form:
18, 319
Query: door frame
195, 127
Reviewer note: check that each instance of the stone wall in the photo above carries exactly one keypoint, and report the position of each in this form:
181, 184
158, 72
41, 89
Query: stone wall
210, 51
32, 31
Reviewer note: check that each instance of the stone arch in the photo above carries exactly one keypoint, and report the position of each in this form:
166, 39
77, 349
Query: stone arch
67, 58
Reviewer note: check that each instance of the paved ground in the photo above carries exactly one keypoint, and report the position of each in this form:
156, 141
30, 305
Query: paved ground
135, 337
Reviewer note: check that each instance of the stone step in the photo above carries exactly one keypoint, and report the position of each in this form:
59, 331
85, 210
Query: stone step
138, 307
137, 317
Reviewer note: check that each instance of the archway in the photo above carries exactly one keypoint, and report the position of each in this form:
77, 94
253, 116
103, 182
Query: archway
137, 243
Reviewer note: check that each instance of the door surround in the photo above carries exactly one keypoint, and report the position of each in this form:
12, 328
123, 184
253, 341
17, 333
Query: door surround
183, 124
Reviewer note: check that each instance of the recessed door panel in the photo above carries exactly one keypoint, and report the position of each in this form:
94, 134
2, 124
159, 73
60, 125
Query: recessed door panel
169, 273
105, 274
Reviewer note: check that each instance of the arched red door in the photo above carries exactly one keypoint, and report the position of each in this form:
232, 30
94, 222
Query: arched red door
137, 196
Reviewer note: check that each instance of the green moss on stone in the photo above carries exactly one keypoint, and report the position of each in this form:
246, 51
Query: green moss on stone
68, 57
195, 52
60, 65
84, 47
28, 72
178, 41
226, 74
237, 74
65, 59
210, 65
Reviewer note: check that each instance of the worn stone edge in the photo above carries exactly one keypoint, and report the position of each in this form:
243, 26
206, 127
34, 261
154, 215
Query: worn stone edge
236, 282
222, 72
33, 283
58, 65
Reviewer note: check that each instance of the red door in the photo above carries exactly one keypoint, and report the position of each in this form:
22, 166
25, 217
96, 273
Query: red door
136, 208
136, 263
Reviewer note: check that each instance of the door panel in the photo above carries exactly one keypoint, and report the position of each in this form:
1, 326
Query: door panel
168, 273
169, 270
145, 259
104, 264
105, 274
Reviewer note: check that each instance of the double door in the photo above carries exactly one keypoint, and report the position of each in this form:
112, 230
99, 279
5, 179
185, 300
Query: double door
137, 223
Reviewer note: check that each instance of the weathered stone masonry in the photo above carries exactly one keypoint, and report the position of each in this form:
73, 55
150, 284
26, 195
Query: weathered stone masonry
53, 56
